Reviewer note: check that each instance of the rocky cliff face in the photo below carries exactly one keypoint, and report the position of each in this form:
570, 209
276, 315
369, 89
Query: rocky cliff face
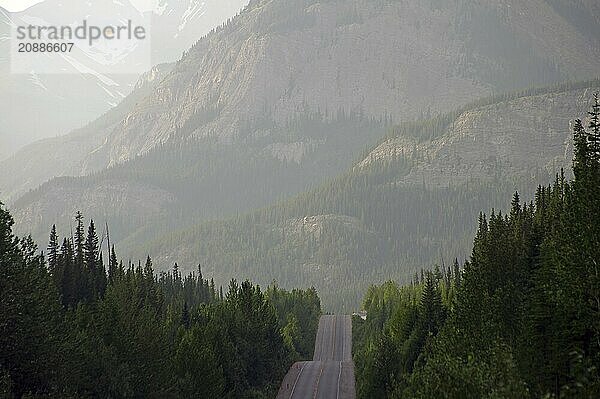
524, 138
38, 105
382, 59
281, 98
282, 59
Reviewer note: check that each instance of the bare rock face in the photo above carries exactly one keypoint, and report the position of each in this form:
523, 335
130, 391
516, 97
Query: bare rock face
279, 59
397, 59
522, 138
393, 59
313, 226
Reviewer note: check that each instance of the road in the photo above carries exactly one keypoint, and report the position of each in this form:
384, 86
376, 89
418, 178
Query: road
330, 375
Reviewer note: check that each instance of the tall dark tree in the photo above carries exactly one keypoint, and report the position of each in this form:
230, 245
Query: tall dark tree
432, 310
113, 265
79, 240
53, 254
594, 132
93, 264
68, 282
30, 319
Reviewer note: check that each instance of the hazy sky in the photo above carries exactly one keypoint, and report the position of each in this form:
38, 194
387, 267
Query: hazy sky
20, 5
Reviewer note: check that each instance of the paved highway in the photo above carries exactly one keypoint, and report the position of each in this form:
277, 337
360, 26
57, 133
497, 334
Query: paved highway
330, 375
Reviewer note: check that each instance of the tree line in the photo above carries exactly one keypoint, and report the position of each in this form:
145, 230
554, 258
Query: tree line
74, 327
520, 319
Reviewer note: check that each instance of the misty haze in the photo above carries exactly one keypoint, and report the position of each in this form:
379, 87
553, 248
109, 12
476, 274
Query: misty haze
300, 199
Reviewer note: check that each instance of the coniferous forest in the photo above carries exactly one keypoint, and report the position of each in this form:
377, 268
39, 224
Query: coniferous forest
74, 326
300, 199
520, 319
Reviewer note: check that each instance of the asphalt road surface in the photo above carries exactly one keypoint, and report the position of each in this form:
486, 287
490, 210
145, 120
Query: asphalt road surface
330, 375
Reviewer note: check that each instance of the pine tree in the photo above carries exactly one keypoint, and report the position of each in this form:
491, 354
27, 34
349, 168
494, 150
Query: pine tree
176, 275
91, 254
594, 133
69, 286
30, 320
185, 316
53, 252
113, 266
457, 274
581, 156
79, 240
431, 306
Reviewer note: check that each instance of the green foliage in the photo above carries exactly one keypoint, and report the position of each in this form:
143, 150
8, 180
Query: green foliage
523, 316
136, 334
299, 312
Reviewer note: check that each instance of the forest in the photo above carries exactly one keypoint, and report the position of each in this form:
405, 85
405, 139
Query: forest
519, 319
369, 226
74, 326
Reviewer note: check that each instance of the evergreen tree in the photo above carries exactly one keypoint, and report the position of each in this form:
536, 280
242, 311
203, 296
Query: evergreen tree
79, 240
594, 132
53, 249
30, 318
54, 267
185, 316
113, 266
457, 277
431, 306
93, 264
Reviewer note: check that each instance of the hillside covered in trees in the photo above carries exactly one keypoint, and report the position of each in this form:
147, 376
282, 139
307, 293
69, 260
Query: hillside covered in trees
377, 221
76, 327
520, 319
283, 97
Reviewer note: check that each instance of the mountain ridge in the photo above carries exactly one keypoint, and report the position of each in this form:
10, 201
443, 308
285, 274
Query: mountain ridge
286, 96
87, 96
375, 221
227, 86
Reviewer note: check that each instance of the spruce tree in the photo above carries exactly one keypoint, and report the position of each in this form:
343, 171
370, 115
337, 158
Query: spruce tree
457, 274
431, 306
79, 240
53, 253
113, 266
185, 316
92, 262
594, 133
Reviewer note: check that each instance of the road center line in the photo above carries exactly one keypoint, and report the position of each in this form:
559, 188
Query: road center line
337, 395
318, 381
333, 335
297, 378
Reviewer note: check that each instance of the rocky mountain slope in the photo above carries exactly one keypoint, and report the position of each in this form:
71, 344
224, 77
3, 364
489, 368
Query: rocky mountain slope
74, 153
282, 59
524, 137
287, 95
392, 215
38, 105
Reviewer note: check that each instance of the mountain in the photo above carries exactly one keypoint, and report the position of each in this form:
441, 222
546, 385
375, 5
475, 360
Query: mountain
287, 95
39, 105
523, 137
72, 154
393, 214
281, 60
407, 203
